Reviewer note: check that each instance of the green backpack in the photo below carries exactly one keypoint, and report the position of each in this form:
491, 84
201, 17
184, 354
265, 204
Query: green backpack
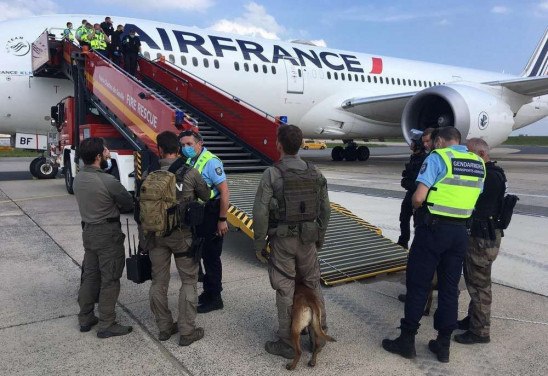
158, 203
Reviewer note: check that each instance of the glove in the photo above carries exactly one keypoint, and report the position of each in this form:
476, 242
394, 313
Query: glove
262, 256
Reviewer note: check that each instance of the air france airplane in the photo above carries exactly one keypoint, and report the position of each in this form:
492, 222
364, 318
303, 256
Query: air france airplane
328, 93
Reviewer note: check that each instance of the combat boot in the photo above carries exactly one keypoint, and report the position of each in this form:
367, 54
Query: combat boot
279, 348
203, 298
464, 324
165, 335
189, 339
86, 328
114, 330
215, 302
440, 347
404, 345
468, 338
402, 297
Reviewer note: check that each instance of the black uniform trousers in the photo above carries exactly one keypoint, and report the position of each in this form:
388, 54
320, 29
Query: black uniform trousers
130, 62
213, 247
405, 219
440, 247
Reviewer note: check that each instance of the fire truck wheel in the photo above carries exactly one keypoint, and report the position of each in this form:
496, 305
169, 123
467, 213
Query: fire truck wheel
32, 167
45, 170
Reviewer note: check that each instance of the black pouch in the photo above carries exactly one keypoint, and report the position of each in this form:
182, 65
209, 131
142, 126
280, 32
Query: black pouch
309, 232
138, 268
194, 214
197, 248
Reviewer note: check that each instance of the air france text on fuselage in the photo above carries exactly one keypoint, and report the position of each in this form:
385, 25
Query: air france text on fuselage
217, 46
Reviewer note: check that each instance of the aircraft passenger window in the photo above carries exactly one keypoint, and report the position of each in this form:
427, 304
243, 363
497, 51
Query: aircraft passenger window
255, 68
328, 75
368, 78
336, 75
398, 81
206, 63
387, 81
183, 60
380, 79
363, 78
375, 79
216, 63
404, 82
349, 77
158, 55
147, 55
273, 69
409, 82
171, 59
236, 66
420, 83
393, 83
195, 61
343, 77
265, 69
414, 82
299, 72
246, 67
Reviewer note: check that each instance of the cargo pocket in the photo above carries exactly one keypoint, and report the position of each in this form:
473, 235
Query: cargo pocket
310, 232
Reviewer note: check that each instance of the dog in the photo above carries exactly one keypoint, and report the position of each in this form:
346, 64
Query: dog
306, 312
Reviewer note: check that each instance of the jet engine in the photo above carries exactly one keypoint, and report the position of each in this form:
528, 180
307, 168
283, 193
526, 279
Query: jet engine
473, 110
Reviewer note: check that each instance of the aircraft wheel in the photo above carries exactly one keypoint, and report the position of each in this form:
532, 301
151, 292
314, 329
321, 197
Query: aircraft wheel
350, 154
32, 167
363, 153
337, 154
45, 169
322, 147
69, 179
305, 148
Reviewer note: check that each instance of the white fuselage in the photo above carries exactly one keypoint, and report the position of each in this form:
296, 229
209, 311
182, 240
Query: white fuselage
307, 84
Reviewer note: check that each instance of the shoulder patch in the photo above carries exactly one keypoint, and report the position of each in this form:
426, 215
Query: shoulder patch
219, 171
423, 167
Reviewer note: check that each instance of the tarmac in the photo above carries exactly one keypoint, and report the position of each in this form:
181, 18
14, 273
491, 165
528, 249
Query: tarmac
41, 253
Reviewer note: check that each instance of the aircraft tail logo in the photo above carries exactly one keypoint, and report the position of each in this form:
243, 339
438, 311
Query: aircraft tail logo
538, 64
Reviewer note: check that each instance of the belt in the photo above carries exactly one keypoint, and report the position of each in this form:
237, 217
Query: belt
108, 220
449, 220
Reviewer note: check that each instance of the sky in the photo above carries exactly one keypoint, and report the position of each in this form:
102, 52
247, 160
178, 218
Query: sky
495, 35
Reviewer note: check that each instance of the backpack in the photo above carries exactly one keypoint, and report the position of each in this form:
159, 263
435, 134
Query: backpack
158, 203
506, 211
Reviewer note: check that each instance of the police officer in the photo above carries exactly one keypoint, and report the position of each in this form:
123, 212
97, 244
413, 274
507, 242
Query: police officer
177, 244
85, 34
409, 175
98, 40
131, 47
291, 207
483, 248
215, 222
68, 33
116, 44
449, 184
80, 31
100, 199
108, 29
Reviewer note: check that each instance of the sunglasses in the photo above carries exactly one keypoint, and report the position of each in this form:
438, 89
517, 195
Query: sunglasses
190, 133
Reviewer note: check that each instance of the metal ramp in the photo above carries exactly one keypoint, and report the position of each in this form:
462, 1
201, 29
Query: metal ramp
354, 249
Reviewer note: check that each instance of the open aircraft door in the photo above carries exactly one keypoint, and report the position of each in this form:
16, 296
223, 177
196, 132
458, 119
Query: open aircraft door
295, 78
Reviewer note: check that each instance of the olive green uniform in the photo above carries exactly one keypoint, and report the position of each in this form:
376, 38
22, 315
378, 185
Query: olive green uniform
100, 199
177, 244
289, 255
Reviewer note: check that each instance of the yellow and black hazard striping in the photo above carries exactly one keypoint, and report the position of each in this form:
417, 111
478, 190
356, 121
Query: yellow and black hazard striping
353, 249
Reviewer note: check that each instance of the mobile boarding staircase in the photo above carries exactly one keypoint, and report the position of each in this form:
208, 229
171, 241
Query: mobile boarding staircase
166, 97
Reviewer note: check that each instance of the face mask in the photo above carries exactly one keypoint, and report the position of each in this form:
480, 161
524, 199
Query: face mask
188, 151
106, 164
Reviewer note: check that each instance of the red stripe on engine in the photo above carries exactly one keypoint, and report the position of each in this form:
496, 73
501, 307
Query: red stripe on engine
377, 65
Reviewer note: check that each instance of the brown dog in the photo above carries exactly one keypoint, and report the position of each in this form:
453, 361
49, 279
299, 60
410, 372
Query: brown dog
306, 312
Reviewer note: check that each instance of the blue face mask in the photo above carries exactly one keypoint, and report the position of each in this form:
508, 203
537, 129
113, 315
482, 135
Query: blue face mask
188, 151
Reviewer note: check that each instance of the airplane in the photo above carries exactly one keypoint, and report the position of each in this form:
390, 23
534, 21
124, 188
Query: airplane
328, 93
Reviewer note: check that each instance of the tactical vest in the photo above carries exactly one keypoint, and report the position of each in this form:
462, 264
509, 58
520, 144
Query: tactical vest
99, 42
200, 164
455, 194
299, 198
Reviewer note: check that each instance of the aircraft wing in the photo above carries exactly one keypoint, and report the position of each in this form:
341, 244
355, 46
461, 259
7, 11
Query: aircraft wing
383, 108
531, 86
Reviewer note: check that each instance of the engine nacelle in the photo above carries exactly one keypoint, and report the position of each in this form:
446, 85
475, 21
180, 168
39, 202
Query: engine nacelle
473, 110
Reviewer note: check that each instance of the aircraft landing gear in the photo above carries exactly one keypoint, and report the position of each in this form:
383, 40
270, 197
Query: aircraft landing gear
351, 152
43, 168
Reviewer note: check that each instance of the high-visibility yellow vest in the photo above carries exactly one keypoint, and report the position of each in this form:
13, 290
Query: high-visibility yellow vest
455, 194
99, 41
81, 32
69, 34
201, 162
